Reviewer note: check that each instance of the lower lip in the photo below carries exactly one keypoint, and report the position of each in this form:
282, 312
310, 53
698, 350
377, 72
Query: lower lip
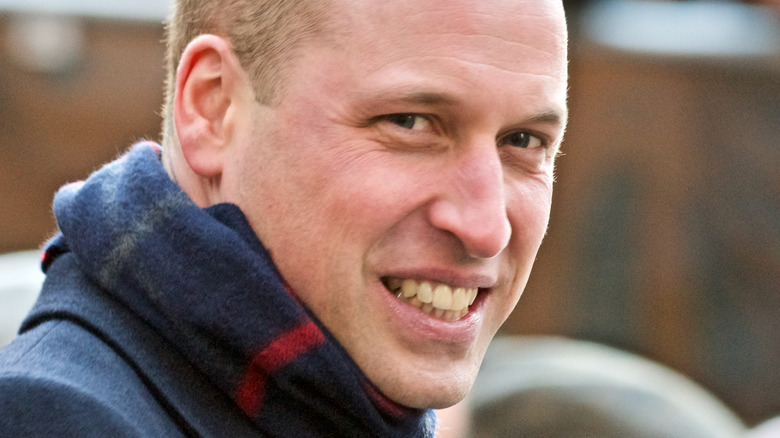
418, 325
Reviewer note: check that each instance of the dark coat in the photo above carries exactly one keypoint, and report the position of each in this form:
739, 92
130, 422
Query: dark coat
84, 365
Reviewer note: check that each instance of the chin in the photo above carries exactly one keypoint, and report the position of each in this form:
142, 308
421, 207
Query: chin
431, 392
439, 399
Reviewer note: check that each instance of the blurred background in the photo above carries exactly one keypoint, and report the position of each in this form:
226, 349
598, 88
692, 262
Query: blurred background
665, 232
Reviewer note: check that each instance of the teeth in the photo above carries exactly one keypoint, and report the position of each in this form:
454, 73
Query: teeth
409, 287
459, 299
425, 293
439, 301
442, 297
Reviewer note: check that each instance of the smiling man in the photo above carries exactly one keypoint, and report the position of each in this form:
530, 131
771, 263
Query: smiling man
346, 207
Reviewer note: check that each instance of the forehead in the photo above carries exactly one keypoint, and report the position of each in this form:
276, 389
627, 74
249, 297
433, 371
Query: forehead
462, 43
493, 29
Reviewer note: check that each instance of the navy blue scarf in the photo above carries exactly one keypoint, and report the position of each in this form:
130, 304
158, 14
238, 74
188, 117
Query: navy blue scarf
202, 279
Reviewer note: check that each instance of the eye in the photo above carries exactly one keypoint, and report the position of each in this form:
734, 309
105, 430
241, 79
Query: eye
413, 122
522, 139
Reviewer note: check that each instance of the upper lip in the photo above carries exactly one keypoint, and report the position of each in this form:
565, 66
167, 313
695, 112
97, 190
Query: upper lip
452, 278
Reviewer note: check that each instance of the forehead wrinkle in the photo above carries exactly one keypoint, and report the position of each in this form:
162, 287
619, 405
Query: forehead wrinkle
489, 49
511, 70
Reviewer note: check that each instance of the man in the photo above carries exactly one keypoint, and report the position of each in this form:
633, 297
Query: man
352, 197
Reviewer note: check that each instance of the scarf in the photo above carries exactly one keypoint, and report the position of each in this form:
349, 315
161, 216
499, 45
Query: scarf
202, 279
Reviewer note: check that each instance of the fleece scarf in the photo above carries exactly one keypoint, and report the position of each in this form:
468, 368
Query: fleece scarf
203, 280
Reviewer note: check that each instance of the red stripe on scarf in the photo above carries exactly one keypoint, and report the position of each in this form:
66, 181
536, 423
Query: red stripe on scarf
285, 349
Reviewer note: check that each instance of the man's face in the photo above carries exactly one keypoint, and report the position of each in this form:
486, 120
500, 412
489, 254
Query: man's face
407, 167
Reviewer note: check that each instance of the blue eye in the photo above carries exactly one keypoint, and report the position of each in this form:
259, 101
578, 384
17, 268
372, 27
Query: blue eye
409, 121
522, 140
402, 120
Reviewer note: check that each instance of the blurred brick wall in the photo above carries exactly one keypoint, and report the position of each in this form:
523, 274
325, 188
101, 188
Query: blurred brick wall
665, 231
58, 127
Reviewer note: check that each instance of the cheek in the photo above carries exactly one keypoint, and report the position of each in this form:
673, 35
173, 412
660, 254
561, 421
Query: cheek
370, 189
528, 209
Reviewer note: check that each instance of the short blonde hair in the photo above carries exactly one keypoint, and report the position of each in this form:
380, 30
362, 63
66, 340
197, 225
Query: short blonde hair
263, 33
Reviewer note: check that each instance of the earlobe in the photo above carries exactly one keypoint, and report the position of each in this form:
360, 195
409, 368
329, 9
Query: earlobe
207, 84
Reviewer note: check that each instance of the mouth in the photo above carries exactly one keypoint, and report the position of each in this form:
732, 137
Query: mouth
437, 300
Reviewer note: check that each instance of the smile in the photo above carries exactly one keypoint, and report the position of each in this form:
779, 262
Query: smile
437, 300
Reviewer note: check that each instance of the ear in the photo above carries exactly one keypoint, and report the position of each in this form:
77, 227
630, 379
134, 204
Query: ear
210, 83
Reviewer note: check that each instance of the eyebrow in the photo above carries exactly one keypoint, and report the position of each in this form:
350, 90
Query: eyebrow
426, 98
409, 96
548, 117
552, 117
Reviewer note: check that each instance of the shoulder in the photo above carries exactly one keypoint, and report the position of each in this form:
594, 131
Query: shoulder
46, 406
58, 379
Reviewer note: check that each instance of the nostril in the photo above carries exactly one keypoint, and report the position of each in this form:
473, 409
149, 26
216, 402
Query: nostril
481, 236
488, 243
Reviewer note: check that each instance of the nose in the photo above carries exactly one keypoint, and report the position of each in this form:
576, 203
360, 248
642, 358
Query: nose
472, 203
